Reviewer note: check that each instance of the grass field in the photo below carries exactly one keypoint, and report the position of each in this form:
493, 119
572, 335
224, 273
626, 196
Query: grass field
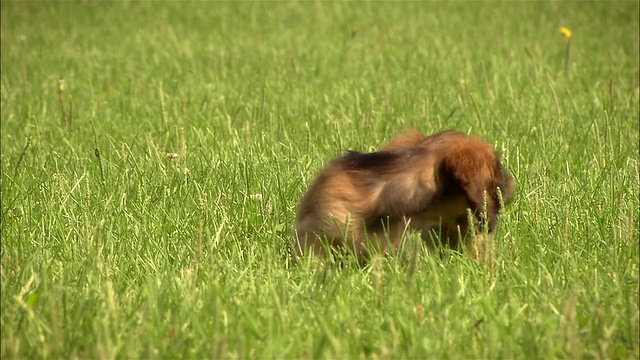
147, 204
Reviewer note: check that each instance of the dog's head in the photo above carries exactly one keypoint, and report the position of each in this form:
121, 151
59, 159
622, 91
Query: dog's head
474, 168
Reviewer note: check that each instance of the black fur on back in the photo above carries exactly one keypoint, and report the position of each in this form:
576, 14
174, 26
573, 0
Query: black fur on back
375, 161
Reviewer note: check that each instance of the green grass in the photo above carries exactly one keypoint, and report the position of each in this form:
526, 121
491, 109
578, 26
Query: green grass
131, 254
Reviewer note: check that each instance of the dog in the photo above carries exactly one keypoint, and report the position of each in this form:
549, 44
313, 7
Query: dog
447, 184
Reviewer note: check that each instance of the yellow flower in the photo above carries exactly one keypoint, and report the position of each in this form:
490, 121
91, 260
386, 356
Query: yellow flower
565, 32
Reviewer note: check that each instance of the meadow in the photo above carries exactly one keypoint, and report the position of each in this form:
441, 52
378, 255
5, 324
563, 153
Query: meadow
153, 156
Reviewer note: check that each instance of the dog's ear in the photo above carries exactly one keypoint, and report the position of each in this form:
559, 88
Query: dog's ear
507, 187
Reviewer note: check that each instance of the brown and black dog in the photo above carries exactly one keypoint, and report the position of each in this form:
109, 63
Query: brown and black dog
365, 200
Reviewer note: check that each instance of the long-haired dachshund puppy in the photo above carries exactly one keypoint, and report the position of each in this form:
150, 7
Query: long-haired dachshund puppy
447, 183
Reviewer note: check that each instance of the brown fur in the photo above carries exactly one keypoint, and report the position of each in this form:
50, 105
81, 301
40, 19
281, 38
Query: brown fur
363, 200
